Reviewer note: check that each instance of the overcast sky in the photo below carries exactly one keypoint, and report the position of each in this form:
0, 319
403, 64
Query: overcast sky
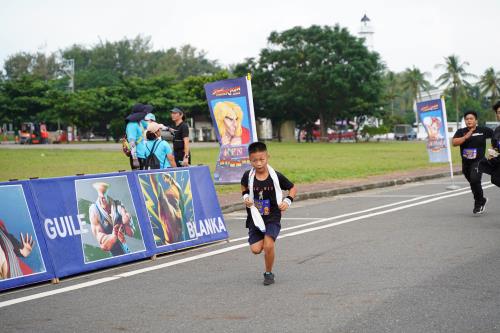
407, 33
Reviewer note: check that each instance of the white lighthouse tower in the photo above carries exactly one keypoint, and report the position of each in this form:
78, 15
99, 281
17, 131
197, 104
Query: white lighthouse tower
366, 32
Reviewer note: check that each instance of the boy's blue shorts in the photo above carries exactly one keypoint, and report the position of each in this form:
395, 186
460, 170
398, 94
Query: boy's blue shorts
255, 235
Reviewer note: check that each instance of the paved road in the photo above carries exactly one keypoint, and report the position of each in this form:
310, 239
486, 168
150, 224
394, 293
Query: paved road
406, 259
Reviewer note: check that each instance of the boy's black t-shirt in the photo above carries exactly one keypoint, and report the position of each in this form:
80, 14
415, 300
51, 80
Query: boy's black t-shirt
265, 197
473, 149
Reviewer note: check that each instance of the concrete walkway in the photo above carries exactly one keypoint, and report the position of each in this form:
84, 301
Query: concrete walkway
232, 201
111, 146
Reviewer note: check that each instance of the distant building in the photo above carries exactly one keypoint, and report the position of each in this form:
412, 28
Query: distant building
366, 31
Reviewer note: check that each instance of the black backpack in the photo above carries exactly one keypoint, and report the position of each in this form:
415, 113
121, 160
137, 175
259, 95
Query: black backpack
152, 162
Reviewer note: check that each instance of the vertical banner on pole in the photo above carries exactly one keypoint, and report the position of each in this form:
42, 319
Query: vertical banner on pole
231, 107
23, 255
90, 222
432, 115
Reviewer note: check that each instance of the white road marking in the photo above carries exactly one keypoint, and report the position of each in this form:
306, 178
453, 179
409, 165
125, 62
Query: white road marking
283, 218
239, 246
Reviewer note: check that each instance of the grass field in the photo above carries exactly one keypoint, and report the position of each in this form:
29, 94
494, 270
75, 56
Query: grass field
302, 163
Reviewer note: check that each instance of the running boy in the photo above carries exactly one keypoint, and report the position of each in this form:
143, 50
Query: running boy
262, 194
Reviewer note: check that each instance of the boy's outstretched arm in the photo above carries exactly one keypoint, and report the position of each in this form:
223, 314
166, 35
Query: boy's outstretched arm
287, 201
246, 196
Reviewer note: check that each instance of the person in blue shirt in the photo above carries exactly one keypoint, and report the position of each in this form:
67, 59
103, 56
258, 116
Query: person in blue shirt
156, 145
135, 135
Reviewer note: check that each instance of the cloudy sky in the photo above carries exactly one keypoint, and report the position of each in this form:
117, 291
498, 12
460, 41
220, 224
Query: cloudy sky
407, 33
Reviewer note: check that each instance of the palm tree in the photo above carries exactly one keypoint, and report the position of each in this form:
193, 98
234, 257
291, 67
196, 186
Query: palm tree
489, 84
413, 83
392, 88
454, 79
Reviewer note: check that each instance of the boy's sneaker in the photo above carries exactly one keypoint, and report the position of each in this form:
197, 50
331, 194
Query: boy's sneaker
479, 209
268, 278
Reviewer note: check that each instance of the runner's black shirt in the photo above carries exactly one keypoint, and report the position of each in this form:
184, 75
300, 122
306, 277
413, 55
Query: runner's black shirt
495, 144
473, 148
264, 197
495, 139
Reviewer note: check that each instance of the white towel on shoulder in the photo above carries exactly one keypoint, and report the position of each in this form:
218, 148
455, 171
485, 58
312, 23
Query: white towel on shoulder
256, 217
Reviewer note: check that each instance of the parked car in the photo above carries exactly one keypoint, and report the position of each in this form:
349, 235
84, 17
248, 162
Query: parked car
404, 132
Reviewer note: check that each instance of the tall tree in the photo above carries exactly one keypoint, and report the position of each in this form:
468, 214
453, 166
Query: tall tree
489, 83
36, 64
318, 72
454, 78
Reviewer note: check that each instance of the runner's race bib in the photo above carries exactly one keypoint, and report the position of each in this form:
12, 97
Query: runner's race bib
469, 153
264, 206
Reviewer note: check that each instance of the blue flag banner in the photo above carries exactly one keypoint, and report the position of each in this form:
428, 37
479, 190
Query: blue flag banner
231, 107
23, 254
90, 222
432, 115
182, 208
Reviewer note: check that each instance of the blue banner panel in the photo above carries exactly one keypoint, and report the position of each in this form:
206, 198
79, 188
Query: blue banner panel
231, 107
91, 222
182, 208
23, 254
433, 117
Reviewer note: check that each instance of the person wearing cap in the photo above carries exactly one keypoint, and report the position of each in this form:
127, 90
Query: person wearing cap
149, 118
110, 221
472, 142
135, 135
181, 138
156, 145
491, 164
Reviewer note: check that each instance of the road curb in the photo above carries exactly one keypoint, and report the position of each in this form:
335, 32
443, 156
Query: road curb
349, 189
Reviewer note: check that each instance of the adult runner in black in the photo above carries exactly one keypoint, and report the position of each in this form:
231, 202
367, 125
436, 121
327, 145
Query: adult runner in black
472, 142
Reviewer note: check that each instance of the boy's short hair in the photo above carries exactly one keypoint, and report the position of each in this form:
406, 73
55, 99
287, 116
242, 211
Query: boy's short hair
256, 147
496, 106
470, 112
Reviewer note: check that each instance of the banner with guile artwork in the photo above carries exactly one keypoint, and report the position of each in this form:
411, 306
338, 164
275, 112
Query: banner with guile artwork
231, 107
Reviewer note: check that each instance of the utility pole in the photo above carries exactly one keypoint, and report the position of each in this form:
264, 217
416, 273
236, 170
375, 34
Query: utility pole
69, 69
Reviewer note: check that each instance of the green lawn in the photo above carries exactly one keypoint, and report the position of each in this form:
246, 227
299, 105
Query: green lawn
302, 163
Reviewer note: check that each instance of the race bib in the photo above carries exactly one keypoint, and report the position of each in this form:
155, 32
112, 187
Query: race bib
469, 153
264, 206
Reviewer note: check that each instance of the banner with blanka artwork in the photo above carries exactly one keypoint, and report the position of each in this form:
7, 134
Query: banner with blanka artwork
231, 107
432, 114
182, 208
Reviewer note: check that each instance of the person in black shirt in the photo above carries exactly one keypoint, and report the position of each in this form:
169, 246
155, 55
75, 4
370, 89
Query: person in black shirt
472, 142
181, 138
491, 164
262, 194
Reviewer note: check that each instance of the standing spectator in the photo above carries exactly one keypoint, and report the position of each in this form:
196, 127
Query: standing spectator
181, 138
135, 136
159, 147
